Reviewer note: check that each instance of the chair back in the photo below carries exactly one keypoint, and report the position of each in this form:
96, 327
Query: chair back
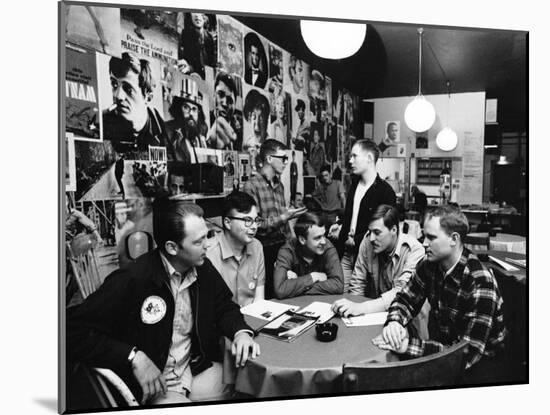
440, 369
514, 297
82, 257
477, 243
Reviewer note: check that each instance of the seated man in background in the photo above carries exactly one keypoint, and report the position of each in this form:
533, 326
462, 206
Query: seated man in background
308, 264
157, 322
237, 255
386, 260
464, 297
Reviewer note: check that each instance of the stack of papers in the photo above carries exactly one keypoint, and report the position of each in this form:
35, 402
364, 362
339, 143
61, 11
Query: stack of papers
266, 310
503, 264
521, 262
373, 319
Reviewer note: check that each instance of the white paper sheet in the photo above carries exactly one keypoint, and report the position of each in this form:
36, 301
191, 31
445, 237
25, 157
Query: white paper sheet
320, 309
372, 319
266, 310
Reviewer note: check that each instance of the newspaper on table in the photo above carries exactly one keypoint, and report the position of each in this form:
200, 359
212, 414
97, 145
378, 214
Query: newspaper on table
266, 309
318, 309
503, 264
372, 319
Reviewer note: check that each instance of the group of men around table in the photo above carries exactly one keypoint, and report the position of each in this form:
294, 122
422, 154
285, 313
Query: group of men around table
158, 322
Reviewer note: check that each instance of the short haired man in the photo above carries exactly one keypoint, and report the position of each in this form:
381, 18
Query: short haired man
237, 254
185, 129
309, 263
268, 192
392, 136
223, 132
256, 112
130, 120
464, 298
255, 71
366, 193
331, 196
385, 262
158, 321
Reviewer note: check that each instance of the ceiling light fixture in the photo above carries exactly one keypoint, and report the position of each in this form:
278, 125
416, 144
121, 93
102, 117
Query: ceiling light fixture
420, 113
447, 139
333, 40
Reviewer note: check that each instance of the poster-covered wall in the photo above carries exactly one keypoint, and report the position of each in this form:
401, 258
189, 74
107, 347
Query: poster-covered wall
149, 92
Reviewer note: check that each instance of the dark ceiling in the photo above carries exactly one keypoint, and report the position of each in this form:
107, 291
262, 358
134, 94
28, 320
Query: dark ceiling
472, 60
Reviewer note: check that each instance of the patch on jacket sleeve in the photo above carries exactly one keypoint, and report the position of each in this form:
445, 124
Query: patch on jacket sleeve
153, 309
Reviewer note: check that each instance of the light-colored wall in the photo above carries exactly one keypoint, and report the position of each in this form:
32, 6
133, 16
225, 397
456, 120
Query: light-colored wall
465, 115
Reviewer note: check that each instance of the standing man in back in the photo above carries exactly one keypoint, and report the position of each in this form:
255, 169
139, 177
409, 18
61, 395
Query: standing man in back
367, 192
268, 192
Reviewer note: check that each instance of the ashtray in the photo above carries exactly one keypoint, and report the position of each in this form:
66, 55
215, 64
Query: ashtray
326, 332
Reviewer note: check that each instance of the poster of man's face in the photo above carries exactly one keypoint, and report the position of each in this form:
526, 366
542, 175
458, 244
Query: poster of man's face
197, 42
227, 125
255, 72
230, 45
276, 72
393, 132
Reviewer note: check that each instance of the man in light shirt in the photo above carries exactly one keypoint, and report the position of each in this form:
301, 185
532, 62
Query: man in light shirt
237, 254
385, 262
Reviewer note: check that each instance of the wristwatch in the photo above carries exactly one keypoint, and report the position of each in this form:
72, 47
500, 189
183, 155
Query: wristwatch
132, 355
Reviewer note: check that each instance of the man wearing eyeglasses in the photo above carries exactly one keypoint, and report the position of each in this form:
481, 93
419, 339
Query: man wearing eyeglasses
268, 192
237, 254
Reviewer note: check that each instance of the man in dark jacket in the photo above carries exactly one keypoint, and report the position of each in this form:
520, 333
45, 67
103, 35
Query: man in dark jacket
367, 192
157, 323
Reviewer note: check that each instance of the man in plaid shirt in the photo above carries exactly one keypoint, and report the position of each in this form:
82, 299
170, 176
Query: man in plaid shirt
268, 191
464, 298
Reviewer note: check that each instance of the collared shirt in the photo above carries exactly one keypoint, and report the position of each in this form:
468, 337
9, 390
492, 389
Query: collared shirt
271, 205
291, 258
465, 304
328, 195
177, 371
384, 275
243, 276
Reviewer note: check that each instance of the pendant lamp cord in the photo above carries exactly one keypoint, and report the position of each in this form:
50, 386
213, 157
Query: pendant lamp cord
420, 30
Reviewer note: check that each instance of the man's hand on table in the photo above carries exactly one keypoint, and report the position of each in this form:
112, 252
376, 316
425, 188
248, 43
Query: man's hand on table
148, 375
394, 337
318, 276
291, 275
347, 308
243, 348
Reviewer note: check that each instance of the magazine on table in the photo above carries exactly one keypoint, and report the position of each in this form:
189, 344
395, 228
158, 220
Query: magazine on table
288, 326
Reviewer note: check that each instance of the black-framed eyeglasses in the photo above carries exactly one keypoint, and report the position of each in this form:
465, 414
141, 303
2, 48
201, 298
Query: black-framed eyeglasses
248, 221
283, 158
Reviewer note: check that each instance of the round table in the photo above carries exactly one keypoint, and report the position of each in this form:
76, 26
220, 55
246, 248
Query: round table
505, 242
307, 366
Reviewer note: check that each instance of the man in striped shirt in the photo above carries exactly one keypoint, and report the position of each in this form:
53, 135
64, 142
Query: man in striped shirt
464, 297
268, 192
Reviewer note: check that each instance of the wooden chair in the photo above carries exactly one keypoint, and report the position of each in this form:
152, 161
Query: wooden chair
477, 243
82, 257
110, 389
514, 296
440, 369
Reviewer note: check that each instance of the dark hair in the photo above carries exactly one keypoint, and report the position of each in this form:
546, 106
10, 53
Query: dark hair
326, 167
389, 214
269, 147
227, 80
169, 219
255, 100
305, 222
120, 67
240, 201
369, 146
451, 219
